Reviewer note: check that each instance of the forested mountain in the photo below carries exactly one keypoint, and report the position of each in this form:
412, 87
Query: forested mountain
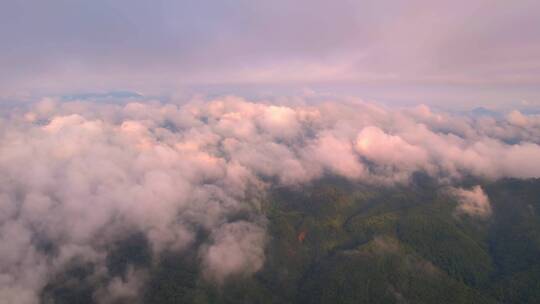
339, 242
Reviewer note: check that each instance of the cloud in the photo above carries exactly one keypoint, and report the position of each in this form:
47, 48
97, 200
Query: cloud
122, 288
391, 153
335, 155
79, 175
473, 201
236, 249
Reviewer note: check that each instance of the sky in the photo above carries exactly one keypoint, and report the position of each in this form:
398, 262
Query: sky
446, 53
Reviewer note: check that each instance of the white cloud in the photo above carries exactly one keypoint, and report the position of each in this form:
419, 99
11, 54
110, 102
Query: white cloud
236, 249
81, 174
473, 201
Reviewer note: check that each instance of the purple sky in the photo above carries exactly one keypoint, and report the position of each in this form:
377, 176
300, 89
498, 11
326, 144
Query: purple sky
442, 52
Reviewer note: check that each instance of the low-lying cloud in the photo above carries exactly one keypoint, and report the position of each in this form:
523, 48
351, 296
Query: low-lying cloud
77, 176
473, 202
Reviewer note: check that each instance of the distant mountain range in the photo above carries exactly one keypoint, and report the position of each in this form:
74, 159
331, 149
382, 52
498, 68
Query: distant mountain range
481, 111
107, 95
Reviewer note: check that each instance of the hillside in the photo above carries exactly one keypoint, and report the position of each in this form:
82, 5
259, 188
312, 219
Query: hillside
338, 242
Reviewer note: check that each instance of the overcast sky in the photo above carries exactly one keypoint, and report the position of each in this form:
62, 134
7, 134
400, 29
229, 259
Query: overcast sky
459, 51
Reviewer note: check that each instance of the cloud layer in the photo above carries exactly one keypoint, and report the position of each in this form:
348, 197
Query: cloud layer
77, 176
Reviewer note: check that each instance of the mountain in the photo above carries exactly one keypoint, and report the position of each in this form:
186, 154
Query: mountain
113, 95
339, 242
481, 111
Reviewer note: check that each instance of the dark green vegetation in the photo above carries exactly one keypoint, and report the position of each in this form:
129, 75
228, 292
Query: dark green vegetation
336, 242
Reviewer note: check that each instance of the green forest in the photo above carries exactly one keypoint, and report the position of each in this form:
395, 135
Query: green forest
335, 241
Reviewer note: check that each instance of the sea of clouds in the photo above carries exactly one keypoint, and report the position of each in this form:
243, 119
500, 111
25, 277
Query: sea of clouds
81, 175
